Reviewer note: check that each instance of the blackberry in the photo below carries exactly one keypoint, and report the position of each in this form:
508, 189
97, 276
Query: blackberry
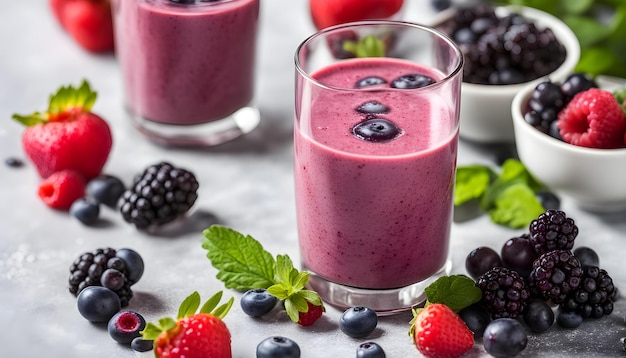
594, 296
88, 268
552, 230
505, 293
555, 275
159, 195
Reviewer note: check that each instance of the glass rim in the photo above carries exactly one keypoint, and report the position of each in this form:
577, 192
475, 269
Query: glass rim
447, 78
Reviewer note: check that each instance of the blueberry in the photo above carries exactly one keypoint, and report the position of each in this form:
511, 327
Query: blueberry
518, 254
112, 279
587, 256
358, 321
141, 345
481, 260
548, 199
504, 337
476, 318
412, 81
369, 81
13, 162
372, 107
376, 130
464, 36
277, 347
539, 317
134, 264
257, 302
98, 304
85, 210
369, 350
569, 319
576, 83
125, 326
105, 189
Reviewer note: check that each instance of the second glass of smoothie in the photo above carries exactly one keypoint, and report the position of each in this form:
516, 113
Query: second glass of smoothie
375, 140
188, 68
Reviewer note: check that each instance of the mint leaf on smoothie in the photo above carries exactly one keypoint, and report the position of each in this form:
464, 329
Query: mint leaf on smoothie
244, 264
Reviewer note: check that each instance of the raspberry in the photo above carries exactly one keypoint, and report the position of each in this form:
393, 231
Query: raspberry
593, 119
309, 317
555, 275
594, 297
505, 293
61, 189
552, 230
161, 194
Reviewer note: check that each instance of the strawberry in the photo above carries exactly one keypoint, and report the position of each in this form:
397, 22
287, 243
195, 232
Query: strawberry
313, 313
593, 118
61, 189
327, 13
89, 22
67, 135
440, 333
193, 335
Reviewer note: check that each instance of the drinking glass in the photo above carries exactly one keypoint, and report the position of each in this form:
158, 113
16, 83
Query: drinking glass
375, 149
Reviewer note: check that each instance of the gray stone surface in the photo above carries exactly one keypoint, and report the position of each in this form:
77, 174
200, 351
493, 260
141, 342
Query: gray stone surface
245, 184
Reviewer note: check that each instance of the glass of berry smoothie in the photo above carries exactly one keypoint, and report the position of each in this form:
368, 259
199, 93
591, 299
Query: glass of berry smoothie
375, 148
188, 68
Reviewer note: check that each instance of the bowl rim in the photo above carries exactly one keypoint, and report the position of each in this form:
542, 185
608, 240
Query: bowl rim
521, 127
563, 33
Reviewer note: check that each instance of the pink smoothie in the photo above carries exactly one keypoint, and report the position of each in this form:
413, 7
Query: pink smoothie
374, 215
186, 64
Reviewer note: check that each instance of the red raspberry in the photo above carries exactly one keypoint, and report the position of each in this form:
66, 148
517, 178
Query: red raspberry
593, 119
61, 189
309, 317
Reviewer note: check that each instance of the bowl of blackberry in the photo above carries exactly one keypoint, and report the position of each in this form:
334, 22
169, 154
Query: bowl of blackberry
571, 135
505, 48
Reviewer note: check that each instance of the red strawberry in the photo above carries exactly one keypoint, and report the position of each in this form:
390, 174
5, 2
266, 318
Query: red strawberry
594, 119
440, 333
311, 315
89, 22
327, 13
61, 189
67, 135
193, 335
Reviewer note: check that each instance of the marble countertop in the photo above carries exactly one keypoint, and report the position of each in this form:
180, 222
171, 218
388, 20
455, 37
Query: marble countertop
245, 184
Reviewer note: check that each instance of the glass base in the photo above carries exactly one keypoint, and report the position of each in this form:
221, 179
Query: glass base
384, 301
212, 133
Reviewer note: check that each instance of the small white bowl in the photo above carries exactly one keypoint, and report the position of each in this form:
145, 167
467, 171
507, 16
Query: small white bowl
486, 109
593, 178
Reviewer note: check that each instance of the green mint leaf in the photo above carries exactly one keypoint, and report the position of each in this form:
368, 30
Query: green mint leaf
471, 182
311, 296
588, 30
284, 269
620, 97
456, 292
292, 310
211, 303
513, 172
282, 291
516, 207
189, 305
241, 260
368, 46
577, 7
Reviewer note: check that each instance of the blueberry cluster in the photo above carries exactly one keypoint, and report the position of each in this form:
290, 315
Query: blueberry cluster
502, 50
548, 98
536, 271
102, 190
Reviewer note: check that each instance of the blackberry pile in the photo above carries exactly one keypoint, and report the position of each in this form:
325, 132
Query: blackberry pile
594, 296
549, 98
90, 268
505, 293
555, 275
503, 50
552, 230
159, 195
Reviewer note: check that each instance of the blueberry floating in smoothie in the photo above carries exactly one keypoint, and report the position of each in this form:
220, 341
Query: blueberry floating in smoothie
376, 130
412, 81
372, 107
369, 81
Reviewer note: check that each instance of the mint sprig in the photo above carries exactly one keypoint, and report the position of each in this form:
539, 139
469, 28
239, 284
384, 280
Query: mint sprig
243, 264
368, 46
508, 197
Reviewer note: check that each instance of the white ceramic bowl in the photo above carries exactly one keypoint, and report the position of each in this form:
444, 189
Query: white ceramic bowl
486, 109
594, 178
